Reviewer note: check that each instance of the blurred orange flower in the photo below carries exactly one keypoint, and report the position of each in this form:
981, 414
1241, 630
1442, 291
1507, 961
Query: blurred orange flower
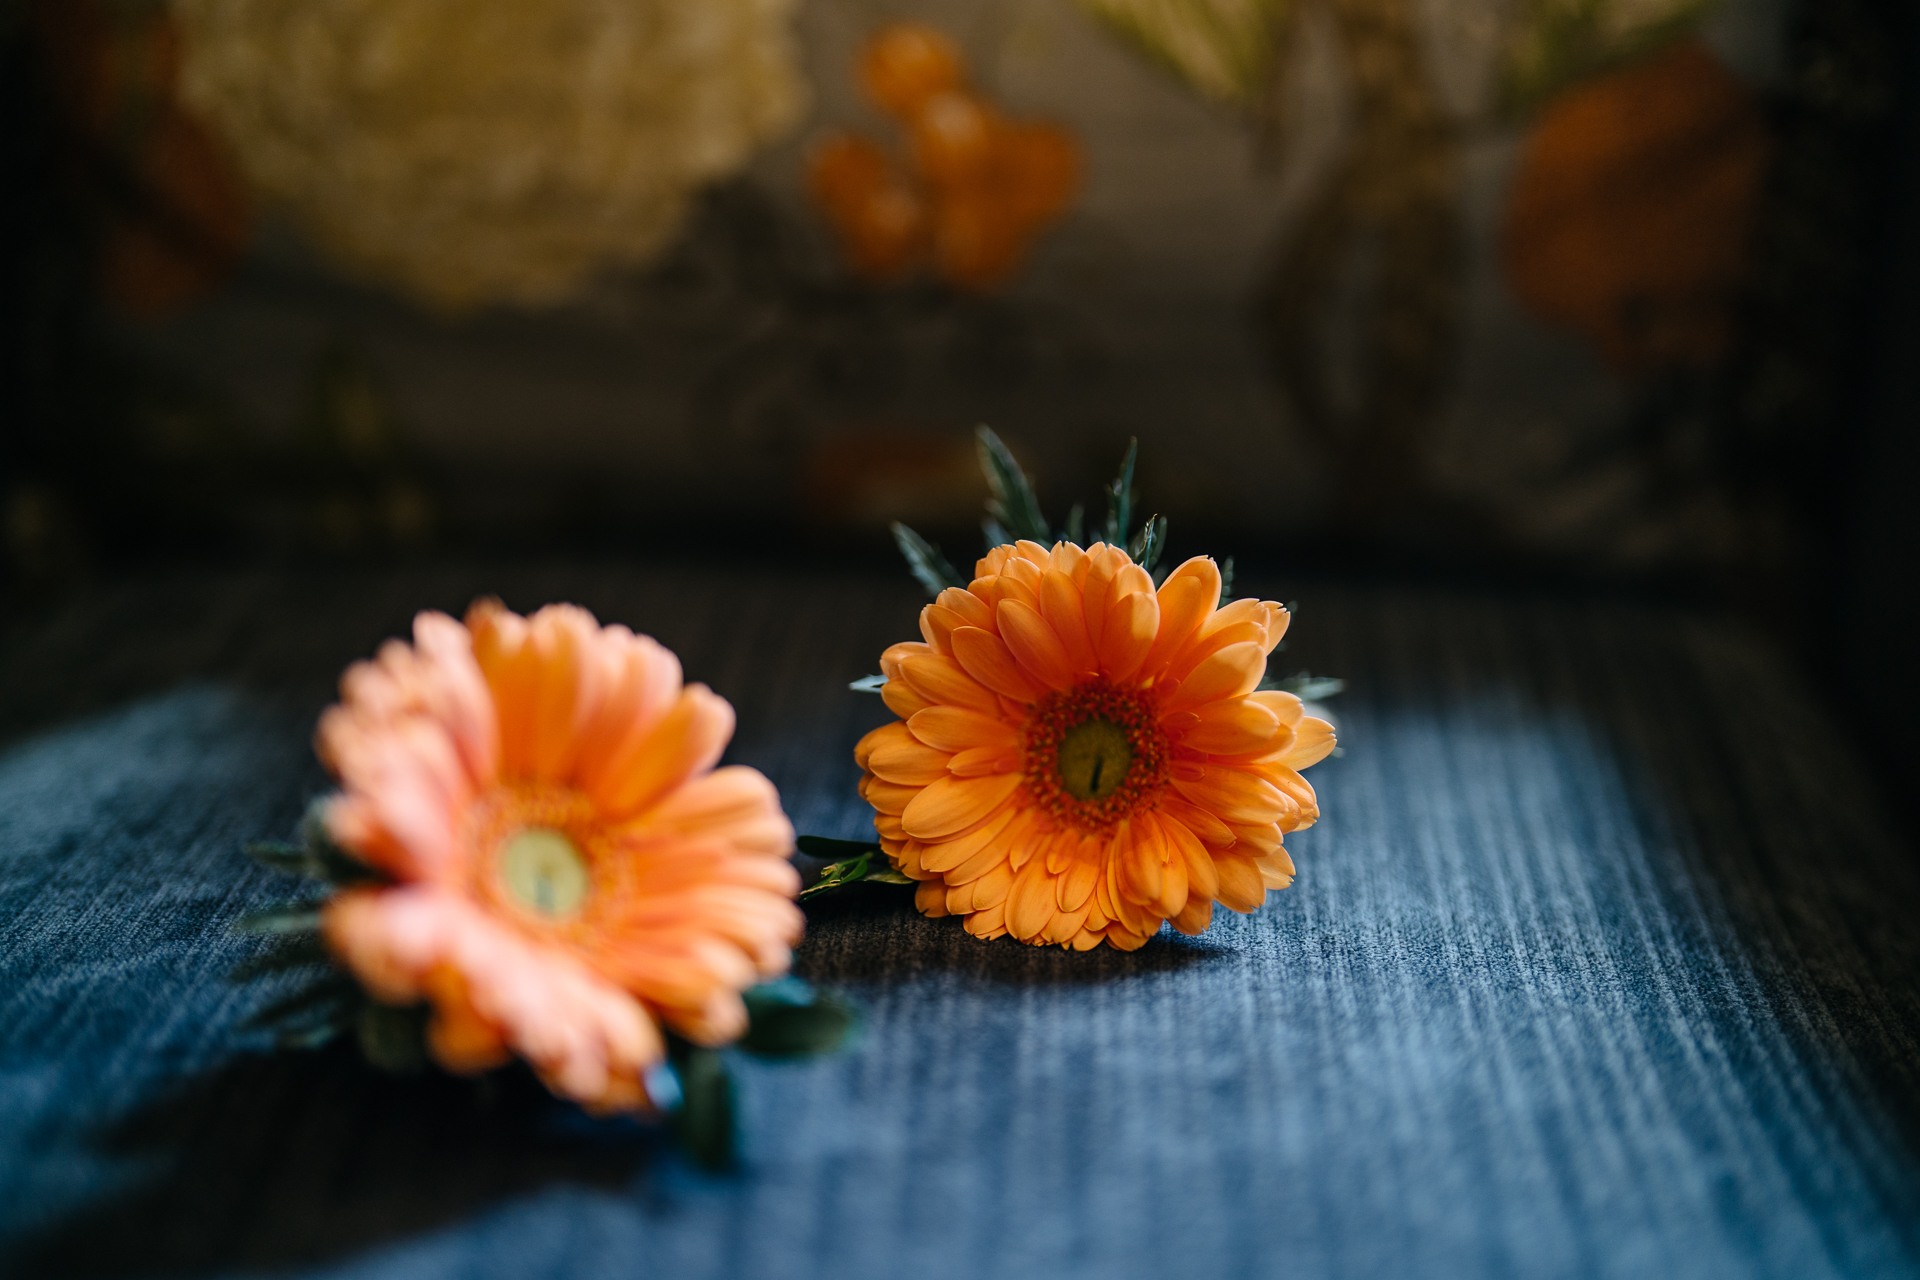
571, 869
1630, 214
980, 187
1080, 757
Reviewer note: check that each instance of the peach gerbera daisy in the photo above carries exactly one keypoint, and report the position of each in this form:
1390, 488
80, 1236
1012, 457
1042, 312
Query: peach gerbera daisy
1080, 758
571, 870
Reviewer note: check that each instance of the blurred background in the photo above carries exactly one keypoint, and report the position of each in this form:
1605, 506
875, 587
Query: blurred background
1533, 295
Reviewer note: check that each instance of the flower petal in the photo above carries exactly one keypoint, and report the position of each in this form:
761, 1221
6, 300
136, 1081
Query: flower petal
1175, 884
1241, 621
687, 741
902, 699
937, 624
1203, 877
1257, 840
940, 679
1187, 597
1063, 605
1241, 888
894, 655
1030, 902
930, 899
1275, 872
1286, 707
911, 763
629, 684
736, 805
973, 611
583, 1035
1075, 884
942, 856
887, 797
1131, 623
991, 889
1313, 741
894, 732
1034, 646
1143, 858
948, 728
1229, 726
1194, 918
1235, 796
1104, 563
979, 761
1017, 842
986, 658
951, 805
1068, 559
459, 698
1205, 825
1277, 620
988, 923
1233, 672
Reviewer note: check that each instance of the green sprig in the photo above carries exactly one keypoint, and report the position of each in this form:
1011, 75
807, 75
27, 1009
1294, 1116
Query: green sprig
1120, 498
1011, 504
930, 567
850, 862
1306, 686
786, 1019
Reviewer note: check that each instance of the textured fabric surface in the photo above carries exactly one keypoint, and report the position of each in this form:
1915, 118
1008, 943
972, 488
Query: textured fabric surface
1600, 965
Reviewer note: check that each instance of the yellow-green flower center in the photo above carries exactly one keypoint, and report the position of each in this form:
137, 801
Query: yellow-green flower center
543, 871
1094, 755
1094, 759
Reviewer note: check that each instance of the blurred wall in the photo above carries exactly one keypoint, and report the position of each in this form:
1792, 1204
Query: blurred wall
1288, 373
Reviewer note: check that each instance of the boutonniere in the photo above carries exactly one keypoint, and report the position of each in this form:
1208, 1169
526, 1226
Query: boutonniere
533, 857
1087, 744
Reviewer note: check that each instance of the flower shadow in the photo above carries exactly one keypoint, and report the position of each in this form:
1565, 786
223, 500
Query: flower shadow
869, 933
293, 1158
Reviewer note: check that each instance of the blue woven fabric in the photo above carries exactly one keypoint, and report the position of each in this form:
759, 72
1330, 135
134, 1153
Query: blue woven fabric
1600, 965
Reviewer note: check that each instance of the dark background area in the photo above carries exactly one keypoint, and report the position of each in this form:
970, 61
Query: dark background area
116, 464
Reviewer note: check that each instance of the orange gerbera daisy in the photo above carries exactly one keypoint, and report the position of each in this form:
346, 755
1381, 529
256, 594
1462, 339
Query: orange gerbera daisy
571, 868
1080, 757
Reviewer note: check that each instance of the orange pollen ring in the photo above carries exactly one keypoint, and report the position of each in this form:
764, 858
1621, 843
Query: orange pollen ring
1127, 715
504, 814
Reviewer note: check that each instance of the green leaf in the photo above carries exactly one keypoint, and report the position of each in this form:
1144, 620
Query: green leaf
293, 917
1076, 530
1149, 543
928, 565
393, 1038
332, 863
868, 684
838, 875
835, 850
996, 536
279, 855
315, 856
1226, 583
315, 1035
855, 862
1012, 503
1120, 498
295, 951
703, 1122
1306, 686
788, 1019
325, 1000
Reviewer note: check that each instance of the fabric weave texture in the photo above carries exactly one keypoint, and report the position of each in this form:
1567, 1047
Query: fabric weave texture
1601, 963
